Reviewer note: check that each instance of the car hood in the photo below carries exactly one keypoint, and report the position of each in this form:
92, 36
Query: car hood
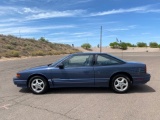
36, 68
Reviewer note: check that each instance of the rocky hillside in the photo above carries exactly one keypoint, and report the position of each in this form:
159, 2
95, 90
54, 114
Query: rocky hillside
11, 46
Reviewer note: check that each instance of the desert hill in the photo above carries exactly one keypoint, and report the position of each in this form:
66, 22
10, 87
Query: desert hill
11, 46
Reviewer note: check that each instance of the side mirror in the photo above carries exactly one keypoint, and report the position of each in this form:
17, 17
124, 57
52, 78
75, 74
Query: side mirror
61, 66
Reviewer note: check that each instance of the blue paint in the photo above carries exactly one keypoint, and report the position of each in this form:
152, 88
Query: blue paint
93, 75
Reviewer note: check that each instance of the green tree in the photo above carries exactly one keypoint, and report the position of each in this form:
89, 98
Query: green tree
141, 44
42, 39
153, 45
123, 46
114, 45
129, 44
86, 46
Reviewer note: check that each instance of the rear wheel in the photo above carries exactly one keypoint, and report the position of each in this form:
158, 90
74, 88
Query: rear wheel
38, 85
121, 83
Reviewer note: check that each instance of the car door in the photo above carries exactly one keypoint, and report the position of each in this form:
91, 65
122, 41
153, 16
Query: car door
77, 72
104, 67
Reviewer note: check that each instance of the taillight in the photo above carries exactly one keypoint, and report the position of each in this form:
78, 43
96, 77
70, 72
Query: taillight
18, 75
145, 69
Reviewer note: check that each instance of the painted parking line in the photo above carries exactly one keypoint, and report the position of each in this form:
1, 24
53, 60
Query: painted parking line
5, 106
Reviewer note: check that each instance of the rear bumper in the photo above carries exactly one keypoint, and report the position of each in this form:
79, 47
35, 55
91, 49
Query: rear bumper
20, 83
141, 79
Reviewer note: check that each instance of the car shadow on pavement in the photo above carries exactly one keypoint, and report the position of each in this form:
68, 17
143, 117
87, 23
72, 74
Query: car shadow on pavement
24, 90
141, 89
80, 90
72, 90
134, 89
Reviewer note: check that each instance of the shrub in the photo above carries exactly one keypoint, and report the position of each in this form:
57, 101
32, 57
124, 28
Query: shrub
153, 45
42, 39
51, 45
29, 48
114, 45
12, 36
129, 44
38, 53
15, 54
14, 43
56, 52
3, 38
86, 46
141, 44
123, 46
12, 53
50, 53
24, 44
9, 47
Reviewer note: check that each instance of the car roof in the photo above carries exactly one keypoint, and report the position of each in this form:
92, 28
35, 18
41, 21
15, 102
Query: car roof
83, 53
95, 53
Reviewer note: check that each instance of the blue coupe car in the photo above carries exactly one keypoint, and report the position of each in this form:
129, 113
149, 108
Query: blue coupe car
84, 70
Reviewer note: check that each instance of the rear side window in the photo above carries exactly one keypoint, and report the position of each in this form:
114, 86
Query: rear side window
103, 60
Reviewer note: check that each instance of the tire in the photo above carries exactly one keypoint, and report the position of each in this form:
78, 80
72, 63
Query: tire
38, 85
121, 83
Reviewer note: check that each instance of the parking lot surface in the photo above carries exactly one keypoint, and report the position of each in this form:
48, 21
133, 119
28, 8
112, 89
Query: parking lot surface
140, 103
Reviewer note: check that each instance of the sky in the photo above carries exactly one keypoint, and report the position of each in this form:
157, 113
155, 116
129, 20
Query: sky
79, 21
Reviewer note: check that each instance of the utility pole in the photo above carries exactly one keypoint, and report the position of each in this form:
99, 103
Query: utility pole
101, 40
19, 34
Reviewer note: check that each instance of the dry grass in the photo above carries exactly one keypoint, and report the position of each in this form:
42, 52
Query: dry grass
11, 46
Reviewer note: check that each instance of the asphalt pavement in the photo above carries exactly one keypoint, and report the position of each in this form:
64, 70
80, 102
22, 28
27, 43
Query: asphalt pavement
142, 102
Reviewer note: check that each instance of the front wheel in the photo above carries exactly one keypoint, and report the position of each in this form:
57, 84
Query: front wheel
121, 83
38, 85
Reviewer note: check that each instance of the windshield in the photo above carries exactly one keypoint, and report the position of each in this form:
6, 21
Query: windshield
55, 63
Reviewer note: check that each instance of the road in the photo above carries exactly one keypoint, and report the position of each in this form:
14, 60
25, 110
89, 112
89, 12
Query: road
141, 103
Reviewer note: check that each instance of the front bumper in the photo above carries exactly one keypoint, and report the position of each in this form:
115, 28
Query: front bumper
20, 83
141, 79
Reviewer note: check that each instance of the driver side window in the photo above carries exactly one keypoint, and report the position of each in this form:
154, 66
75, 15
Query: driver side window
78, 61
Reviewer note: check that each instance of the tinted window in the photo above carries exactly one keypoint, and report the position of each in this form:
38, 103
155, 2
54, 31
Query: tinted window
103, 60
79, 60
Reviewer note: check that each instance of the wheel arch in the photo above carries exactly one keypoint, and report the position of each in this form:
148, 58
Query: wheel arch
117, 73
41, 75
